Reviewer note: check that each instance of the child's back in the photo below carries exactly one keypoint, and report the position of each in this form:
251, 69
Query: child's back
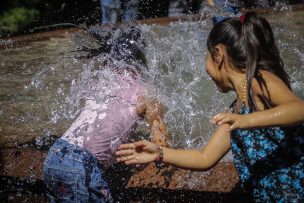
103, 125
72, 170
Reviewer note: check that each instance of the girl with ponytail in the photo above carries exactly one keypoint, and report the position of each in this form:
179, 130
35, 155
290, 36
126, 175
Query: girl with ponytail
264, 126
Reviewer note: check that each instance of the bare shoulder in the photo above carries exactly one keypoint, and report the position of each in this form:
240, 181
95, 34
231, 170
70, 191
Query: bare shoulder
272, 82
275, 90
271, 78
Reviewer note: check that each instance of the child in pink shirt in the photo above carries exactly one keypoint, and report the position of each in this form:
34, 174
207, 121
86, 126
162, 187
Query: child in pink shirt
71, 169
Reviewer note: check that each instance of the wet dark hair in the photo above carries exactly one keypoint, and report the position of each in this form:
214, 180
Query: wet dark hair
250, 47
125, 43
129, 46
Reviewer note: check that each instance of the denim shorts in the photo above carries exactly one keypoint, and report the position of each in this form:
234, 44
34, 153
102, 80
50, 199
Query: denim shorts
72, 174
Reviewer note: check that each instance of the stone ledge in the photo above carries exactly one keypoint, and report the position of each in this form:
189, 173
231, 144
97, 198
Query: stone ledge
28, 163
221, 178
22, 163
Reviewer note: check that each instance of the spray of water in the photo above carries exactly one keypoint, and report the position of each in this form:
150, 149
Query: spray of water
44, 83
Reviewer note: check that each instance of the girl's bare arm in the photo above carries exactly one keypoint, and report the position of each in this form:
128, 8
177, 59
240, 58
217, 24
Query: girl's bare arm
145, 152
216, 148
153, 110
288, 109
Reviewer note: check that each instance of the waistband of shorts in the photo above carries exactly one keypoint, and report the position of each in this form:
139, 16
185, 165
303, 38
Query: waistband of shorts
60, 145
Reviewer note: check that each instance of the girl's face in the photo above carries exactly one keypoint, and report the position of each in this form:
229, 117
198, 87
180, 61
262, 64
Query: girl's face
216, 73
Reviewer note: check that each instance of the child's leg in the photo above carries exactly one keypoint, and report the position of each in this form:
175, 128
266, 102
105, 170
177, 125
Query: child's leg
98, 189
110, 11
59, 178
130, 8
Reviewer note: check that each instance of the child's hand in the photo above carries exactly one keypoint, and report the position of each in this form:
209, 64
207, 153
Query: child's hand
137, 152
234, 120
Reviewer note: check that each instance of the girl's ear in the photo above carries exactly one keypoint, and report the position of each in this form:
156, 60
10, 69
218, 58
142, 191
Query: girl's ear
219, 54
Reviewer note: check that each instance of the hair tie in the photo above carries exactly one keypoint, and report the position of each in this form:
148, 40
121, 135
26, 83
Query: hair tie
242, 18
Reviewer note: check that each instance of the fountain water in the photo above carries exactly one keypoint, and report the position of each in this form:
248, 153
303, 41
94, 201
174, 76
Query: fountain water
42, 82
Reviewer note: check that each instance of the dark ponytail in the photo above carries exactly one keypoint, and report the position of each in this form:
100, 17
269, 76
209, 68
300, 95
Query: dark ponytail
251, 47
262, 54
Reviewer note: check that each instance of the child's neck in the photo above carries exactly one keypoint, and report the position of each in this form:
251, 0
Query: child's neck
239, 83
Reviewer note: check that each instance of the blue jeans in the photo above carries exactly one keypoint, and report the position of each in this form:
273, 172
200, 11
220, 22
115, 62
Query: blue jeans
72, 174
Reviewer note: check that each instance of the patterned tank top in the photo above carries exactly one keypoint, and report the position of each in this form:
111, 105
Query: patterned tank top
270, 161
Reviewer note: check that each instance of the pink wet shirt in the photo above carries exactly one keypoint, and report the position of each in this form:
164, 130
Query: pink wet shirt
101, 127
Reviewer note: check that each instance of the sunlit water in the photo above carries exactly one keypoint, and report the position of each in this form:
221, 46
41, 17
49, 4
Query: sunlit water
41, 83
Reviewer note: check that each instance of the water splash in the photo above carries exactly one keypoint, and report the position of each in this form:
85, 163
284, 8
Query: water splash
44, 83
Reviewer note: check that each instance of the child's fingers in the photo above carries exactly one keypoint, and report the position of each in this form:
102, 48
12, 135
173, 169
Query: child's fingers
133, 161
141, 143
126, 146
125, 158
120, 159
124, 152
215, 119
225, 120
145, 146
212, 120
232, 127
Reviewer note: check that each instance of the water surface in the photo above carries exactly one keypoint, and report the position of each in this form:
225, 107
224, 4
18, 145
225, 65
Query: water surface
40, 89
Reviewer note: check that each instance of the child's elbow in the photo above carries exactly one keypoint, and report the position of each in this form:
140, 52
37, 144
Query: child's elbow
206, 163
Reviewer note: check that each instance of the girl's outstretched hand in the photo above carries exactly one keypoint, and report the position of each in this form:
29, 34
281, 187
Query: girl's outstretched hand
137, 152
234, 120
